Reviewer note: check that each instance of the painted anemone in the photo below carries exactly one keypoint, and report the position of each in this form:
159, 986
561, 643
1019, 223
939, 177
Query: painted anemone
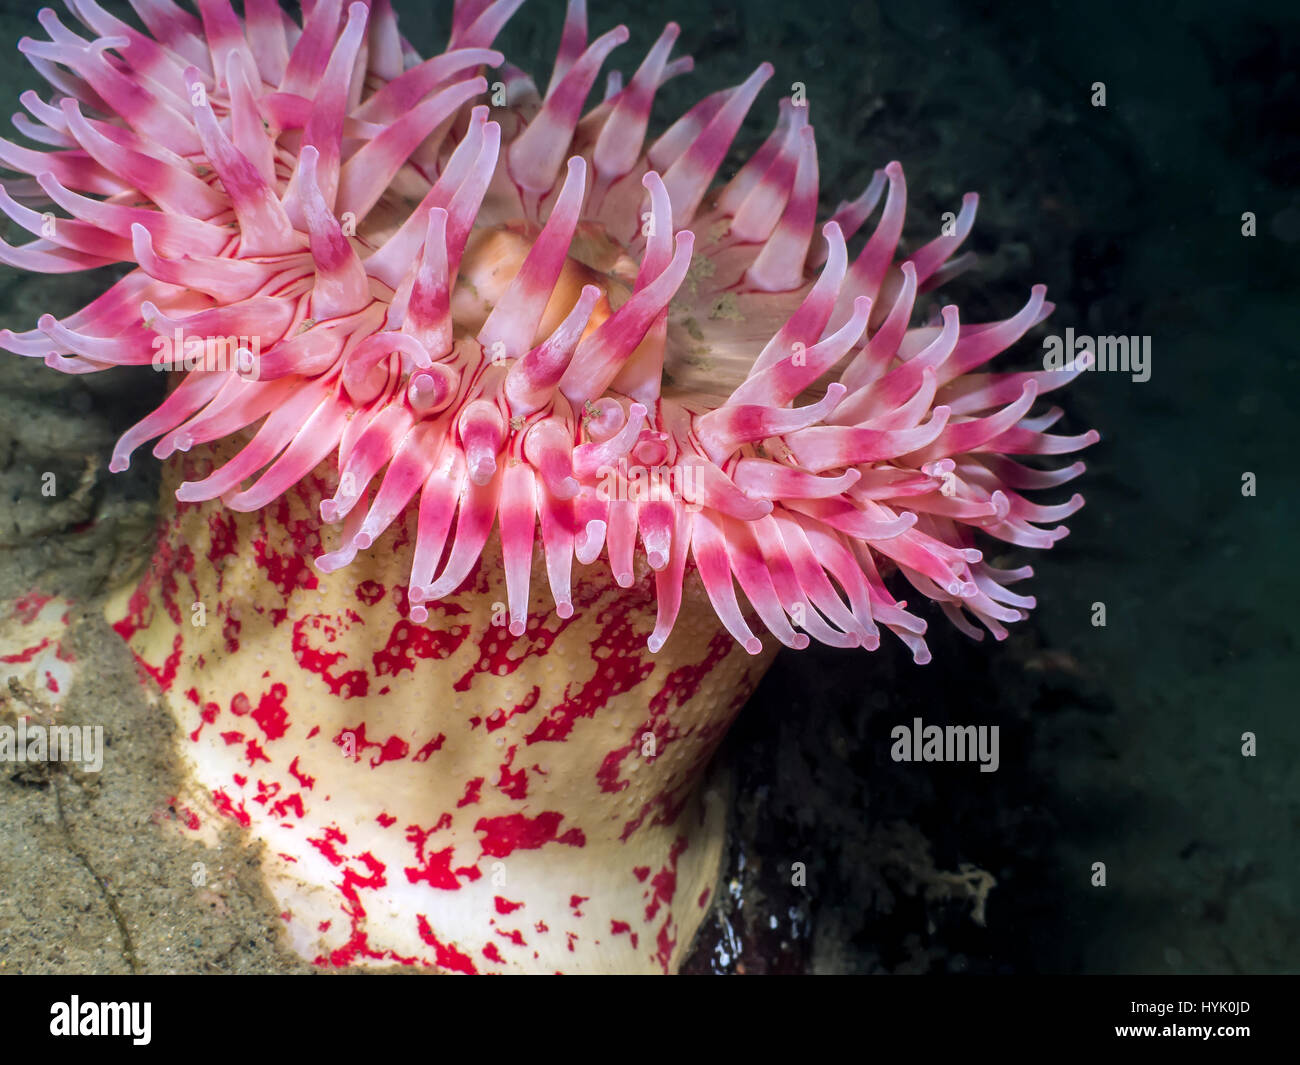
439, 334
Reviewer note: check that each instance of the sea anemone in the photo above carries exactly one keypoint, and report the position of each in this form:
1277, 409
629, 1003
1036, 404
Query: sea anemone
415, 302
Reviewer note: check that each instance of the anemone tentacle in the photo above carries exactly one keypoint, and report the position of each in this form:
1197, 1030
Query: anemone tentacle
526, 315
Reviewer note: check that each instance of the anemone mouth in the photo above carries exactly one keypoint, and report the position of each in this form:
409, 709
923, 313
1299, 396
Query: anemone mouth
528, 316
696, 373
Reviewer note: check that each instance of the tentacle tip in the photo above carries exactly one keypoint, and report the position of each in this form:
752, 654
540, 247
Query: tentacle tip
564, 609
242, 502
753, 645
657, 559
482, 471
800, 641
623, 580
333, 561
517, 627
418, 614
119, 464
655, 643
362, 541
